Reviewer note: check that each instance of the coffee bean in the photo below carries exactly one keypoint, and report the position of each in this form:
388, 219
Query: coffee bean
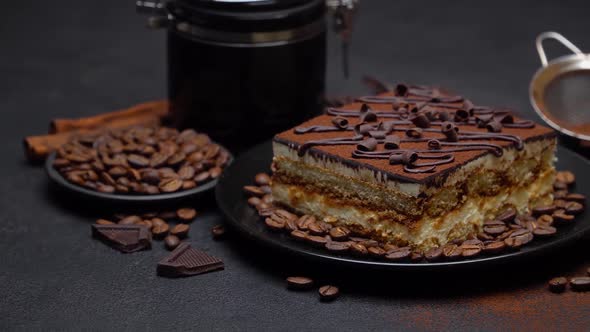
291, 225
566, 177
545, 219
215, 172
254, 201
399, 254
494, 227
316, 229
304, 221
317, 240
574, 208
576, 198
262, 179
266, 212
160, 230
171, 242
580, 284
507, 216
560, 203
170, 185
186, 172
519, 238
470, 250
104, 222
299, 235
557, 285
452, 251
218, 231
103, 188
376, 251
254, 191
561, 217
180, 230
546, 209
137, 161
188, 184
202, 177
389, 246
369, 243
328, 292
484, 237
494, 247
416, 256
560, 194
274, 224
504, 235
339, 233
337, 246
358, 248
130, 220
263, 206
186, 214
434, 254
544, 230
285, 215
148, 223
299, 283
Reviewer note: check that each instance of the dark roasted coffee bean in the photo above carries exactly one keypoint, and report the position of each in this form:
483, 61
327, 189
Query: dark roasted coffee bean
262, 179
369, 243
339, 233
171, 242
186, 214
254, 191
215, 172
328, 293
494, 247
470, 250
299, 283
337, 246
557, 285
180, 230
103, 188
299, 235
519, 238
358, 248
558, 185
399, 254
484, 237
304, 221
561, 217
266, 212
452, 251
291, 225
560, 194
540, 210
170, 185
545, 220
566, 177
434, 254
148, 223
416, 256
130, 220
316, 229
160, 230
574, 208
104, 222
108, 179
575, 198
494, 227
285, 215
389, 246
580, 284
274, 224
560, 203
188, 184
544, 230
186, 172
60, 162
507, 216
138, 161
504, 235
317, 240
376, 251
176, 159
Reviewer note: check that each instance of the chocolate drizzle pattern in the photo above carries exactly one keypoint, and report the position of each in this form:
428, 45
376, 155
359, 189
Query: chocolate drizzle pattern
416, 110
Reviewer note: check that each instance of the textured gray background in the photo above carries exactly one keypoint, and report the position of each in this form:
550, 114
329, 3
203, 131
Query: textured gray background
76, 58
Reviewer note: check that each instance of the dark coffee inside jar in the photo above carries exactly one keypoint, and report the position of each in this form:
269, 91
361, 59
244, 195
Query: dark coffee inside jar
242, 71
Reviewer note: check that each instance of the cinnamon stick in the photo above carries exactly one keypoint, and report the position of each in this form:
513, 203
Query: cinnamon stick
137, 113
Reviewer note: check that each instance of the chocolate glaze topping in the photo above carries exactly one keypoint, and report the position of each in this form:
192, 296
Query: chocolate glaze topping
418, 128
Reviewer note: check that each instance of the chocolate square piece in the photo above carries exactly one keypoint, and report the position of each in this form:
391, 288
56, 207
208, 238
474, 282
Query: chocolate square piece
185, 261
125, 238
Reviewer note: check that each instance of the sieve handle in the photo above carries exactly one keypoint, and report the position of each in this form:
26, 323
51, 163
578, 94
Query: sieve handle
559, 38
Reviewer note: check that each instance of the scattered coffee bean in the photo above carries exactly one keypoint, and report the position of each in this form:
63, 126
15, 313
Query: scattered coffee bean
540, 210
180, 230
157, 222
399, 254
171, 242
299, 283
557, 285
580, 284
254, 191
544, 230
104, 222
575, 198
186, 214
519, 238
262, 179
566, 177
160, 230
339, 233
130, 220
218, 231
574, 208
328, 292
337, 246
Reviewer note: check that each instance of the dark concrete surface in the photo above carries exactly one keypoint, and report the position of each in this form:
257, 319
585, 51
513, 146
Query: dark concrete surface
77, 58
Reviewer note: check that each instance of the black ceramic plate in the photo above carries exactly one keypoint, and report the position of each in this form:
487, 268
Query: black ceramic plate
136, 198
232, 201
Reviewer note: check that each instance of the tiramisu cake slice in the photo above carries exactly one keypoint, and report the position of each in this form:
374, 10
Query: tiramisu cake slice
414, 167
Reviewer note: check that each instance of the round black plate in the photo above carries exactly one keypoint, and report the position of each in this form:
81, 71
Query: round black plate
159, 198
232, 202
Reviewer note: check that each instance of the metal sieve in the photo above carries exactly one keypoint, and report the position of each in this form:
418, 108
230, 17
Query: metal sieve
560, 90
